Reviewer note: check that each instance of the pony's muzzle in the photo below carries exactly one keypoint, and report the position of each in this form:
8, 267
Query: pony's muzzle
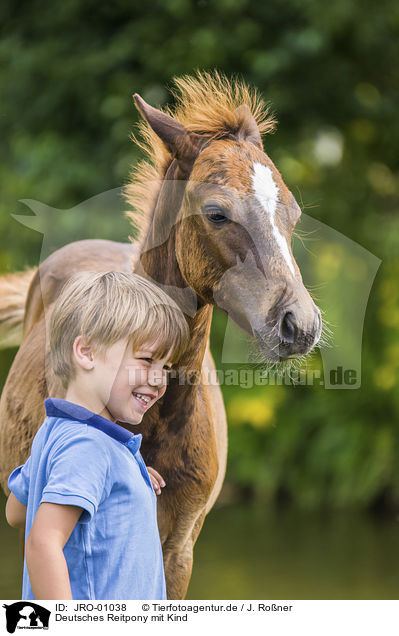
298, 334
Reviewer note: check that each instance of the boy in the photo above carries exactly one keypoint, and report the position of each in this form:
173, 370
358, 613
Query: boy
90, 508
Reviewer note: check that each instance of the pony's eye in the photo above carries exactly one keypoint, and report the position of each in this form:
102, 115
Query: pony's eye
216, 218
214, 214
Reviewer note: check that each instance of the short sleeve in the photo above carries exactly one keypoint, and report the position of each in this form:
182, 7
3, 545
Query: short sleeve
18, 482
77, 474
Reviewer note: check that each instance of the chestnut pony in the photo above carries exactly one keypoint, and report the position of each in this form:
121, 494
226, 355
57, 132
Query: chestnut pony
215, 229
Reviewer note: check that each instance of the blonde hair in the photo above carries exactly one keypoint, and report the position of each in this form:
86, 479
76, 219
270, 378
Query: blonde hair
106, 307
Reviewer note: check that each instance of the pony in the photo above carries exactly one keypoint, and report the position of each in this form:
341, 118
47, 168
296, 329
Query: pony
214, 220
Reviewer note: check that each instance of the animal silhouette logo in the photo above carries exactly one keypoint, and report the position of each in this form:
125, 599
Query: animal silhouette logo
26, 615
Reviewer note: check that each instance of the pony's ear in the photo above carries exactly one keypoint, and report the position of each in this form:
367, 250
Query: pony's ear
248, 129
183, 144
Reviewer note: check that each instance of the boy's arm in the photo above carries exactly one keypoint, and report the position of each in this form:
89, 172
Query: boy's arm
48, 571
15, 512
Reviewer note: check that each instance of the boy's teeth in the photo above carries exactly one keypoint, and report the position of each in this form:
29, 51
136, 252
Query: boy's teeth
141, 397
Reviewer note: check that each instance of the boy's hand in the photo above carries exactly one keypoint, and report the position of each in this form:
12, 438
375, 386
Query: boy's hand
156, 480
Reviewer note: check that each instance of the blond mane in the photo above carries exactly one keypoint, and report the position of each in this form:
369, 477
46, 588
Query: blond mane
205, 103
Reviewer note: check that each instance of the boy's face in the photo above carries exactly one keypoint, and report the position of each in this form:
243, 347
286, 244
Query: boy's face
128, 383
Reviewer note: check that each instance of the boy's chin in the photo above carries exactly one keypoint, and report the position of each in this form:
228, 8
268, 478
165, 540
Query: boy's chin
127, 423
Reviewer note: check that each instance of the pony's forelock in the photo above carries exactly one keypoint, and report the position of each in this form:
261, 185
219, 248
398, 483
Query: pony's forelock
206, 103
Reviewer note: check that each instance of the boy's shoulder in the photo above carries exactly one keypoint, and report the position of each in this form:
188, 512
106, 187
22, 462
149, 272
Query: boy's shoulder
74, 415
58, 434
68, 425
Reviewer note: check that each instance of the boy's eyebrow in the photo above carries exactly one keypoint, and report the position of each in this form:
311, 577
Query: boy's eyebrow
144, 352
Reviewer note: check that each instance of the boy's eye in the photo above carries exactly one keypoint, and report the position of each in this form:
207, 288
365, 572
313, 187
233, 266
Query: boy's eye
167, 369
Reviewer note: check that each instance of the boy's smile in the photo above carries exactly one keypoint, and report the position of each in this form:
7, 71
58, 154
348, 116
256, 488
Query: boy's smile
120, 385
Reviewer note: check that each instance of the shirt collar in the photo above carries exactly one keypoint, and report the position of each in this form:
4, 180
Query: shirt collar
55, 407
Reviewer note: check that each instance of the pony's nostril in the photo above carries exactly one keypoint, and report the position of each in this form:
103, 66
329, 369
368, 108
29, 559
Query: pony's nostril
288, 328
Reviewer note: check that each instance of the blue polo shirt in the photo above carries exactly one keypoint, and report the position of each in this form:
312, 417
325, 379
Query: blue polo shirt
81, 459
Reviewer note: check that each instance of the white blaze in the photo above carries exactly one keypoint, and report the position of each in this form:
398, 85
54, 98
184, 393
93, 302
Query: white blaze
266, 192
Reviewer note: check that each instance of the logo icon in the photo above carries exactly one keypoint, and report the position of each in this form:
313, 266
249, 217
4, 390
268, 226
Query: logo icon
26, 615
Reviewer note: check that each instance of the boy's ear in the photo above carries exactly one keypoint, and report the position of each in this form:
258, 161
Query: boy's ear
83, 354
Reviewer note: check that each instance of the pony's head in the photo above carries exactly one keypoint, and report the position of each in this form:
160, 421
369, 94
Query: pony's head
233, 215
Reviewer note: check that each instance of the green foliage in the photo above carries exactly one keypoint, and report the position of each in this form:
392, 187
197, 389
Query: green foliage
330, 71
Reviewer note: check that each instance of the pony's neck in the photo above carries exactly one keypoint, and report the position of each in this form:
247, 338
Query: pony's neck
157, 261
